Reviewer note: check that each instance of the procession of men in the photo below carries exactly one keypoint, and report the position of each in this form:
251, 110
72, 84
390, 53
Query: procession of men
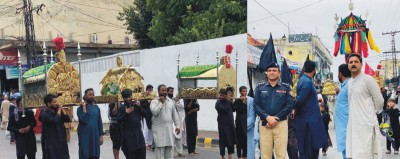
128, 127
165, 124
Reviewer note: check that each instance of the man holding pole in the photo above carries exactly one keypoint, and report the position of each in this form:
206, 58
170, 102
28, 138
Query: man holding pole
90, 127
54, 139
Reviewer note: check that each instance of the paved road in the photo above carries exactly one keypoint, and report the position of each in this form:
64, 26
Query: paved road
7, 151
334, 154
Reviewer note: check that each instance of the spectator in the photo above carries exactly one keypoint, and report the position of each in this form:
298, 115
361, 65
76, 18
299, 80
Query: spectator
394, 123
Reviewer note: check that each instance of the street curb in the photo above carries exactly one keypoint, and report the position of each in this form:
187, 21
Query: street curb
208, 141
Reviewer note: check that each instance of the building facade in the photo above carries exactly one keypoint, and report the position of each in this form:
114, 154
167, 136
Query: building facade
388, 67
75, 20
296, 47
93, 23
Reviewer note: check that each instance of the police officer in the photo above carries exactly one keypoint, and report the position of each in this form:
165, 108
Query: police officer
273, 103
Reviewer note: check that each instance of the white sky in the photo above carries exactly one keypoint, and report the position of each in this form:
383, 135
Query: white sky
318, 19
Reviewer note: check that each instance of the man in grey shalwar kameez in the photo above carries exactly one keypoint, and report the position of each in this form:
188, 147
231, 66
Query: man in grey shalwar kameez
365, 102
164, 116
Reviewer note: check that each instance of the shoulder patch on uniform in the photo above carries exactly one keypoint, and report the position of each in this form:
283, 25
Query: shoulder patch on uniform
260, 84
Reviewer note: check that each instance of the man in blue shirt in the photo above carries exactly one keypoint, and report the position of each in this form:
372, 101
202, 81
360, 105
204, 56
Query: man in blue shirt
342, 109
90, 127
310, 130
251, 121
273, 103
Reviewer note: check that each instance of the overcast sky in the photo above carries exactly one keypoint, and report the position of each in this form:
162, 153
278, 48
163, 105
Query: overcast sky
317, 17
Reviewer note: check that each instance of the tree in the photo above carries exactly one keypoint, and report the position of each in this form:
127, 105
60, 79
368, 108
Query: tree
222, 18
167, 18
183, 21
177, 21
138, 19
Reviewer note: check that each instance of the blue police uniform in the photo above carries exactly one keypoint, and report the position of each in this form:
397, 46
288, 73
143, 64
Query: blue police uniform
274, 101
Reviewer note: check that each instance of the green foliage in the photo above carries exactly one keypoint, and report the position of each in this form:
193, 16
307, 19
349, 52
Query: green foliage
183, 21
137, 19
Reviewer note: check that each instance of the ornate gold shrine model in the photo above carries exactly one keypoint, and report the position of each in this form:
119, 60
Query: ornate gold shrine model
295, 80
189, 77
62, 81
118, 79
329, 88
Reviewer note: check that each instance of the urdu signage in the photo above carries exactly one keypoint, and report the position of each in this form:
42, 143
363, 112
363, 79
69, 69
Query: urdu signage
299, 38
8, 57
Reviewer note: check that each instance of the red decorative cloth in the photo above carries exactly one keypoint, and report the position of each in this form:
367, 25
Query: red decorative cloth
227, 60
38, 128
228, 48
59, 43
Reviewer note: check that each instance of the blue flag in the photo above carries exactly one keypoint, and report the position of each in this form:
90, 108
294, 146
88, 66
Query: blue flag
285, 74
302, 69
268, 55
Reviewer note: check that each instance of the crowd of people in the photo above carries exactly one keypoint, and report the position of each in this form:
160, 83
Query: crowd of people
274, 120
163, 125
298, 126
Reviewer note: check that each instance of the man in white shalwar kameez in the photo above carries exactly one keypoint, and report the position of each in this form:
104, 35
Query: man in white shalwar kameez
365, 101
180, 109
164, 116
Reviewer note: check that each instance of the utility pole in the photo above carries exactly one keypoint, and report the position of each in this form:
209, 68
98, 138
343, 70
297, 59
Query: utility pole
394, 53
30, 30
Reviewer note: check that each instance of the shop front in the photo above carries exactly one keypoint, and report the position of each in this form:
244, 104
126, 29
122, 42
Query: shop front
8, 70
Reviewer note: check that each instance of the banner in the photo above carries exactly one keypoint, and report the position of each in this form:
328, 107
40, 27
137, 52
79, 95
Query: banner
9, 57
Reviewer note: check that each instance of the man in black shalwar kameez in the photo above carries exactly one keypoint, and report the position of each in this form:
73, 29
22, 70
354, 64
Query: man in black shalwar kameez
54, 137
23, 129
130, 115
226, 127
240, 107
146, 121
115, 129
191, 108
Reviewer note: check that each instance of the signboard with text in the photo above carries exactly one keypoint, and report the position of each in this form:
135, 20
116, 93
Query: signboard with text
299, 38
9, 57
12, 72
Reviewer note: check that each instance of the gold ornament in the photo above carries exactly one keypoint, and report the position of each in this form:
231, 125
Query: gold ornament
119, 61
69, 68
51, 83
60, 56
295, 80
53, 91
61, 99
329, 88
74, 75
52, 75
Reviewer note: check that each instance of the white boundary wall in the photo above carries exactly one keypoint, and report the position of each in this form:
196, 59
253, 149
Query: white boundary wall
159, 66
